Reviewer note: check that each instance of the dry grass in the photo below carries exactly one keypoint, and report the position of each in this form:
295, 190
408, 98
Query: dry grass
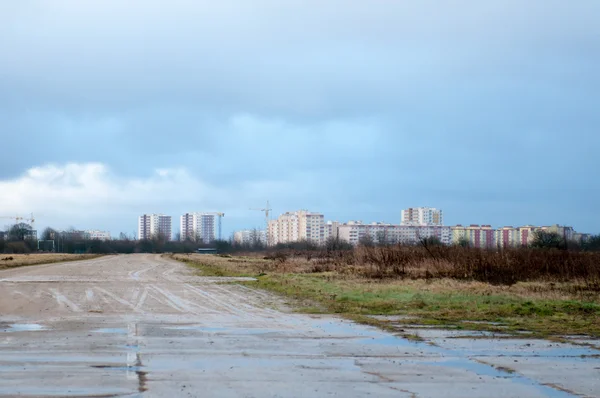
546, 307
253, 266
416, 278
20, 260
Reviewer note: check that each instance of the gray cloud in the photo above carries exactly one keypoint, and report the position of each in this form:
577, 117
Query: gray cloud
352, 108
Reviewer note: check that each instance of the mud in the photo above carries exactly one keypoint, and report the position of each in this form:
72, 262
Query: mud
141, 325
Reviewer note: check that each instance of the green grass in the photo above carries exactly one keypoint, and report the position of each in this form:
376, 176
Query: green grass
357, 298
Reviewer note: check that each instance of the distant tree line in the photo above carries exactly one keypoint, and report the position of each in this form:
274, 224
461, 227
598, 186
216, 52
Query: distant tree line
20, 238
331, 244
552, 240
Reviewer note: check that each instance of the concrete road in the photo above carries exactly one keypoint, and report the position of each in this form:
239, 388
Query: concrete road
141, 325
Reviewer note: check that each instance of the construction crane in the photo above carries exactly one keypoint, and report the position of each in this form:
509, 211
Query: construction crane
18, 219
267, 210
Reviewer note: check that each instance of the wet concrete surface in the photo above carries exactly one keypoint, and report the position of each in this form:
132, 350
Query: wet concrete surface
141, 325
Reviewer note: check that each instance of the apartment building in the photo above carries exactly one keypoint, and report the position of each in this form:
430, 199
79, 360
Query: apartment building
331, 229
250, 237
201, 227
312, 226
422, 216
485, 236
508, 236
152, 225
581, 237
567, 233
74, 235
95, 234
381, 233
475, 235
297, 226
525, 235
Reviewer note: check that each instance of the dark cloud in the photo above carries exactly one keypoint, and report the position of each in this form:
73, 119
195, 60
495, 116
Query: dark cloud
354, 109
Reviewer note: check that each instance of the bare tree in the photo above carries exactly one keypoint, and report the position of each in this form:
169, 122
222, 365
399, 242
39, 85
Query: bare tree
548, 240
20, 231
366, 240
49, 234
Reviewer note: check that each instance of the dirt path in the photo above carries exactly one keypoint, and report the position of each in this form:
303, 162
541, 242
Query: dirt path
142, 325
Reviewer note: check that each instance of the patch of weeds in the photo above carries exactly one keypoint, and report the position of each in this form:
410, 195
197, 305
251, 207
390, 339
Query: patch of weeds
357, 298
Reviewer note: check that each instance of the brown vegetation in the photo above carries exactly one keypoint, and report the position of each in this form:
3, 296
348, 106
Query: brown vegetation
19, 260
498, 267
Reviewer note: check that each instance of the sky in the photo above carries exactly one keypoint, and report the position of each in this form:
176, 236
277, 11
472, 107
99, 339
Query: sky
488, 110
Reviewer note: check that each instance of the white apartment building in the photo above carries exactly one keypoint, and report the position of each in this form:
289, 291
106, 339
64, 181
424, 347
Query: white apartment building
250, 237
422, 216
96, 234
204, 227
355, 231
331, 230
297, 226
151, 225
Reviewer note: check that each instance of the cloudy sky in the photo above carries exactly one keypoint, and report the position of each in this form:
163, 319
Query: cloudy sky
489, 110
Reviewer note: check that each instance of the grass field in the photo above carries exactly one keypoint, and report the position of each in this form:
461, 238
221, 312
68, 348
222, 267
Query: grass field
546, 308
20, 260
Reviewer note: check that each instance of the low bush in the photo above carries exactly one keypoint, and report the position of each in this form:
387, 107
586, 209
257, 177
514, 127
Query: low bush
501, 267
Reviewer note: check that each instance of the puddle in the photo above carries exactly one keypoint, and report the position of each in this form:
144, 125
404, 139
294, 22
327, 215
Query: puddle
218, 364
25, 327
111, 330
36, 359
227, 331
60, 392
453, 333
389, 341
456, 358
393, 318
432, 327
343, 328
196, 328
482, 369
510, 348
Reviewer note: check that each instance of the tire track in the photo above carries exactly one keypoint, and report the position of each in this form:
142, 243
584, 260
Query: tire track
141, 301
211, 298
63, 301
135, 275
179, 302
243, 299
118, 299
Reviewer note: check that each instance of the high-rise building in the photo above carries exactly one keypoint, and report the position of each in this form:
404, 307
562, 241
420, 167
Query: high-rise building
297, 226
250, 237
202, 227
331, 230
154, 225
422, 216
